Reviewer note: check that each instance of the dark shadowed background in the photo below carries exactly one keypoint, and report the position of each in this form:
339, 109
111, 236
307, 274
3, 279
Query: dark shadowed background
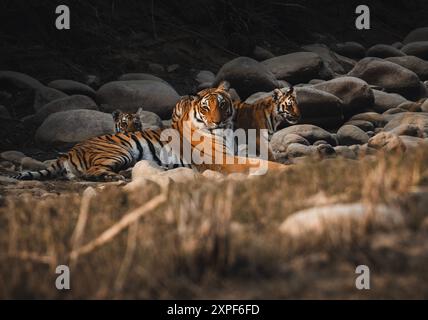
111, 37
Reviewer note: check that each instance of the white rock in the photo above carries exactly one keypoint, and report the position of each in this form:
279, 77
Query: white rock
339, 219
211, 174
179, 175
145, 169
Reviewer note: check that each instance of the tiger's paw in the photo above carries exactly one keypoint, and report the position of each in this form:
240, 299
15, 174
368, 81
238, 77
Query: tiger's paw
113, 177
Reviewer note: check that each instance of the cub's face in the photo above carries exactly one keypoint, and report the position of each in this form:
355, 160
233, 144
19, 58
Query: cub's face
213, 108
126, 122
286, 108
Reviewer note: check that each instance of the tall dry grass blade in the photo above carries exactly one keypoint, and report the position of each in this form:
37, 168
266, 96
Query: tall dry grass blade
127, 260
32, 256
77, 236
114, 230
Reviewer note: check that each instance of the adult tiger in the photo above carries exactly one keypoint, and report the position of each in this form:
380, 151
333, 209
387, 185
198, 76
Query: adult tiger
267, 113
209, 116
101, 158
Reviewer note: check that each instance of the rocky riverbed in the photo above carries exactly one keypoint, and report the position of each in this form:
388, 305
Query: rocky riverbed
357, 171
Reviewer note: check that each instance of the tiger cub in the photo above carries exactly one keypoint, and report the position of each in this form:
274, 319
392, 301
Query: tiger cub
126, 121
101, 158
267, 113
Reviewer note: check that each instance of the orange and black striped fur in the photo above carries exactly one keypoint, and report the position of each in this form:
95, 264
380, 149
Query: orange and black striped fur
126, 121
206, 113
101, 158
267, 113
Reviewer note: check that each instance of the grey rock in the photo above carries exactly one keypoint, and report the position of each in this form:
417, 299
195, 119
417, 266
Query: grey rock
331, 59
393, 111
74, 126
351, 49
140, 76
319, 107
74, 102
384, 51
377, 119
72, 87
44, 95
153, 96
419, 34
384, 101
246, 76
349, 135
298, 67
416, 119
362, 124
296, 150
280, 142
18, 80
310, 132
355, 93
261, 54
390, 76
415, 64
150, 120
205, 76
418, 49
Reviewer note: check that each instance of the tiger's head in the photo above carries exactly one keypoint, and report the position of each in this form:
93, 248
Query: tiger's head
213, 108
126, 121
285, 106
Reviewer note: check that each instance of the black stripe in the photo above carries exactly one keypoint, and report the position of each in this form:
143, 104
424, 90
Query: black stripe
49, 174
73, 164
110, 139
124, 141
139, 147
153, 151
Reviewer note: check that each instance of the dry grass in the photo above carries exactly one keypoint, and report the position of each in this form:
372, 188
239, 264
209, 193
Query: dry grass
220, 239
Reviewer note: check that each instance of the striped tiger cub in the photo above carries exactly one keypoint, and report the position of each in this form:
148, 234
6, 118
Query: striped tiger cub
267, 113
101, 158
126, 121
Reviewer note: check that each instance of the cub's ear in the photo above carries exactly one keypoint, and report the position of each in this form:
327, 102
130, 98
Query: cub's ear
290, 91
116, 114
224, 85
139, 111
276, 94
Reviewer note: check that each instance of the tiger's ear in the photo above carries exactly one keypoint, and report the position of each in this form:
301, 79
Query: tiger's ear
224, 85
116, 114
290, 91
276, 94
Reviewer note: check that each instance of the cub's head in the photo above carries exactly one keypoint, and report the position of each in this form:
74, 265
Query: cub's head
213, 108
286, 108
126, 121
